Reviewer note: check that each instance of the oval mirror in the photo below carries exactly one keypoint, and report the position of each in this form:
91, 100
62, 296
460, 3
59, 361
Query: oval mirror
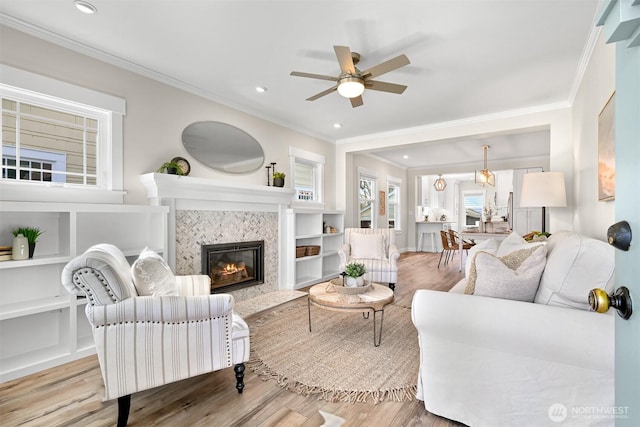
223, 147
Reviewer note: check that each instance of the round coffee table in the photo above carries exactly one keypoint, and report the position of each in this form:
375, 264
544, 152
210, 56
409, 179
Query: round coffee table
374, 300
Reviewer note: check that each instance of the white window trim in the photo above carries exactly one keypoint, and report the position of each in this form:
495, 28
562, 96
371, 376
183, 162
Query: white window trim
111, 109
319, 161
362, 172
398, 183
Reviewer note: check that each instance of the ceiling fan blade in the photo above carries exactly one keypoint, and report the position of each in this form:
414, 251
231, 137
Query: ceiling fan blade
343, 53
356, 102
323, 93
384, 86
385, 67
314, 76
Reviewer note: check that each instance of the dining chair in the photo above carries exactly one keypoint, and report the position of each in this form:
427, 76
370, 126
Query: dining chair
448, 250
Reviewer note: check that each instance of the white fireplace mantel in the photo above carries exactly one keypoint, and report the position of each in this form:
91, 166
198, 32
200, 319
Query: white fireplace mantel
185, 192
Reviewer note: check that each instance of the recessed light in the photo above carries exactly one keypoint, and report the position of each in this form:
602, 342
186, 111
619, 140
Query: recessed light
261, 89
405, 157
337, 125
85, 7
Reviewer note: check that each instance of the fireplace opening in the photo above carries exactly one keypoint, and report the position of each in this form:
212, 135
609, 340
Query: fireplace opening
233, 266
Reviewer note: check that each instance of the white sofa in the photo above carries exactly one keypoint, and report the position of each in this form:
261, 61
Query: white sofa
487, 361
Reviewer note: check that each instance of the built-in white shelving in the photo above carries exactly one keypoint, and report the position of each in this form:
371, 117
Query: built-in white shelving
307, 228
41, 324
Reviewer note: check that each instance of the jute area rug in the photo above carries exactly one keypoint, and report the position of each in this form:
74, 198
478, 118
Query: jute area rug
337, 361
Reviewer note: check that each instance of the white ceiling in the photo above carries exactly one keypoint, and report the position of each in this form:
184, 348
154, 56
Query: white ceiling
468, 58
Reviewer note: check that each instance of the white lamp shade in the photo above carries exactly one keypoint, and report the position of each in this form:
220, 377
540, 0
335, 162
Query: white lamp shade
543, 189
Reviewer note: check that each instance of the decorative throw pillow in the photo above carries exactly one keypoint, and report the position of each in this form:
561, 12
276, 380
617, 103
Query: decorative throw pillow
367, 246
514, 242
488, 245
152, 275
515, 276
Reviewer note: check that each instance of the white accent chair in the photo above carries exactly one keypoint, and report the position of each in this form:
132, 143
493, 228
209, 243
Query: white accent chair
376, 249
147, 341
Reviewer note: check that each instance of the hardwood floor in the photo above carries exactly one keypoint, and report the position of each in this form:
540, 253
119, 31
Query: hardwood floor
70, 395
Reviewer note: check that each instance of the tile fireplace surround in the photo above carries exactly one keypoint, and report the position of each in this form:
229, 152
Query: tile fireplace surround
204, 211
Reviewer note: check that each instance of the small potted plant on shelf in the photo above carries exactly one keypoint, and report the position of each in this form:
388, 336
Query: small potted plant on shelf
171, 167
278, 179
31, 234
354, 272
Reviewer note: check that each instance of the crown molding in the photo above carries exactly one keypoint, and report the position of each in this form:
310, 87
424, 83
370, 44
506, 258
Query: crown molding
456, 123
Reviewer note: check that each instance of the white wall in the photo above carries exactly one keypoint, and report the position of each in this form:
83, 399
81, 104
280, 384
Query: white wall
591, 217
157, 114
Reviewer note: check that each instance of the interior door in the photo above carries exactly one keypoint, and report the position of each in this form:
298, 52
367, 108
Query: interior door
628, 208
621, 20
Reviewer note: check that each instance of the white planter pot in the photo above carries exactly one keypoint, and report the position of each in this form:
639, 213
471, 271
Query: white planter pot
353, 282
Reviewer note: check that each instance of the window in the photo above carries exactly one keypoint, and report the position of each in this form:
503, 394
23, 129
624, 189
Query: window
473, 205
308, 177
48, 145
393, 203
367, 201
62, 135
304, 181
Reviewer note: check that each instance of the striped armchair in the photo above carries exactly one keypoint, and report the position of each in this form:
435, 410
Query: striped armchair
376, 249
147, 341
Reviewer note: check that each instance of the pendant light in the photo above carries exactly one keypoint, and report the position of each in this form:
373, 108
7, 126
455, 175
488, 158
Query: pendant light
485, 176
440, 184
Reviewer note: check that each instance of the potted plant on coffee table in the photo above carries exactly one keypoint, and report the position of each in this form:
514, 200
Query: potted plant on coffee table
354, 272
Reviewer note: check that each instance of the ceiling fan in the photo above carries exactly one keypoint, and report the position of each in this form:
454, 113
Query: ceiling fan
352, 82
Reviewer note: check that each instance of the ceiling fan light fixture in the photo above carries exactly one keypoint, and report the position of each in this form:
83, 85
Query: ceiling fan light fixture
85, 7
351, 87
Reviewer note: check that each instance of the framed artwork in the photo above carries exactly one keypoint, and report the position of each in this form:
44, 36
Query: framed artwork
607, 151
383, 203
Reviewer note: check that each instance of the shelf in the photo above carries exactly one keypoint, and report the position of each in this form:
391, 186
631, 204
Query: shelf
35, 261
330, 253
25, 360
307, 258
26, 308
308, 236
50, 328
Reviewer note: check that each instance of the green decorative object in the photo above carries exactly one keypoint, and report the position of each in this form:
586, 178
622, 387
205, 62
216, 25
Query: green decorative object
31, 234
172, 168
354, 272
278, 179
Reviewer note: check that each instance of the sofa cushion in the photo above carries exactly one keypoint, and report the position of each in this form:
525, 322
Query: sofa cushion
575, 265
367, 246
152, 275
515, 276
